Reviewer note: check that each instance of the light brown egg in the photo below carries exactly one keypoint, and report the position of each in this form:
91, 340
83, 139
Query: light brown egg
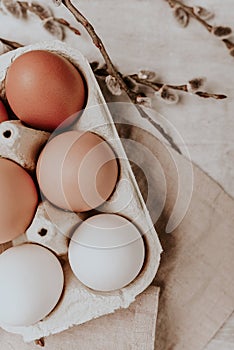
77, 171
3, 112
18, 200
44, 89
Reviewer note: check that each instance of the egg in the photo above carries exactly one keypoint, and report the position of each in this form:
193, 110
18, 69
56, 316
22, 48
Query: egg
77, 171
31, 284
44, 89
18, 200
106, 252
3, 112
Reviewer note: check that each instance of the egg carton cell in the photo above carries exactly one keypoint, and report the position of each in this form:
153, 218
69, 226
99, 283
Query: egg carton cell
52, 227
20, 143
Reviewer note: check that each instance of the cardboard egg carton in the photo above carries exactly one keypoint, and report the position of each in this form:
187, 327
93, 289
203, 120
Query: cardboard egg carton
21, 144
52, 227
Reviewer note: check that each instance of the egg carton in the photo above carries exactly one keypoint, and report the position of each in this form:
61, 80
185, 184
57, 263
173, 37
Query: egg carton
52, 227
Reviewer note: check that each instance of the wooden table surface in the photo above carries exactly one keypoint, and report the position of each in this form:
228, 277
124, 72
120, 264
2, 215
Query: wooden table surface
144, 34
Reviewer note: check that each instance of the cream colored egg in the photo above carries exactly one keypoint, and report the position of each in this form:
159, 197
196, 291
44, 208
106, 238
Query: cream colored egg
77, 171
106, 252
31, 284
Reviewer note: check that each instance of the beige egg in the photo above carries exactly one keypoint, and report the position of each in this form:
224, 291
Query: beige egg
77, 171
18, 200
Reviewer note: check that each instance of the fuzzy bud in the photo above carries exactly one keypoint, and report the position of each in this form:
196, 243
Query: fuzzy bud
113, 85
144, 101
146, 75
53, 28
222, 32
41, 10
13, 7
169, 96
181, 16
57, 2
203, 13
195, 84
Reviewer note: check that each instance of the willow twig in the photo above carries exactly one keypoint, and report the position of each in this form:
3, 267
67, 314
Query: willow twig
111, 69
157, 86
99, 44
190, 11
124, 82
11, 44
26, 6
65, 23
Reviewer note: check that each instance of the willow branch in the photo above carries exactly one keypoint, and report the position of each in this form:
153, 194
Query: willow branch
113, 71
28, 7
65, 23
12, 44
134, 96
190, 12
157, 86
99, 44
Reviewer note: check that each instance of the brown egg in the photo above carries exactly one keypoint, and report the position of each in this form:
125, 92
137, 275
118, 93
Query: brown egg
18, 200
44, 89
3, 112
77, 171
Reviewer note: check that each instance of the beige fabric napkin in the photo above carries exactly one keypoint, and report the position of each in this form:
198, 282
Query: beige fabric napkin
196, 271
126, 329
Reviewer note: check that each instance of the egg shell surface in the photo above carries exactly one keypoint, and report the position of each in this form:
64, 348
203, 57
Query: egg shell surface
77, 171
31, 284
18, 200
106, 252
3, 112
44, 89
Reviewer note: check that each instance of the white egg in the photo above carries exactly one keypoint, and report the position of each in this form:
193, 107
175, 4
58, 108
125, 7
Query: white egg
106, 252
31, 284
